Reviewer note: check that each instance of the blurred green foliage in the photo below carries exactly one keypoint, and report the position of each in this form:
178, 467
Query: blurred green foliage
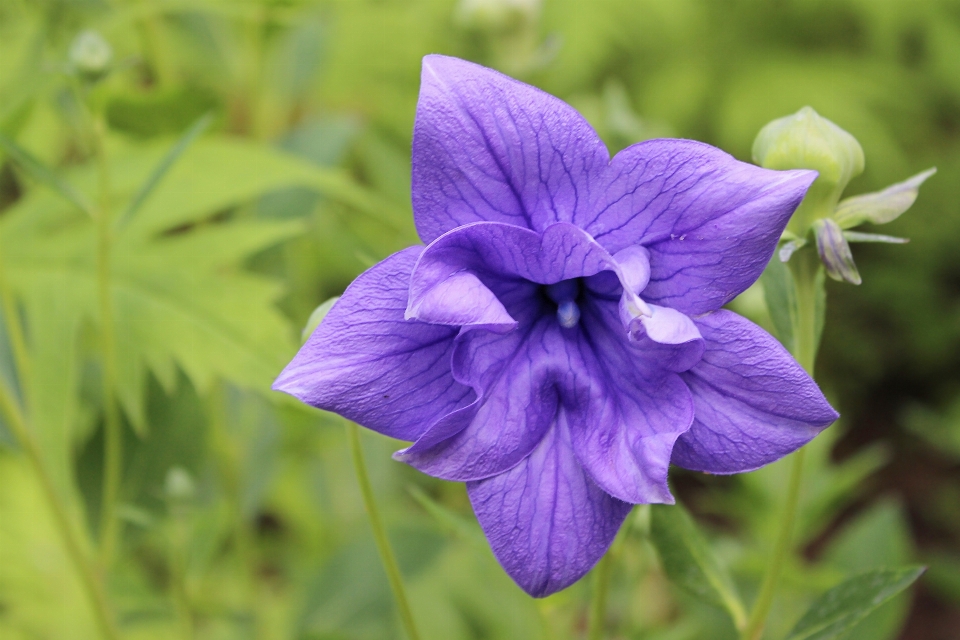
240, 514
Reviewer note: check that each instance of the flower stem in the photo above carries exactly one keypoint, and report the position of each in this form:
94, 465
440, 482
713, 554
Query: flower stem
380, 534
598, 602
804, 266
88, 575
112, 441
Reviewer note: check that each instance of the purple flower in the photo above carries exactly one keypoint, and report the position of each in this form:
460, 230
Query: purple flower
560, 339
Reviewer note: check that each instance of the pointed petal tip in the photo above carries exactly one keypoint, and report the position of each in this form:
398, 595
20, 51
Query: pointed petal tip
286, 383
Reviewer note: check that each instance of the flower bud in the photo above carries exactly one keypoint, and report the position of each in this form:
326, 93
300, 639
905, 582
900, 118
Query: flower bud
807, 140
835, 251
178, 485
90, 55
497, 15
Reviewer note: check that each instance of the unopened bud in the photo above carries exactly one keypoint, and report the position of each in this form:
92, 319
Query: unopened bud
90, 55
497, 15
806, 140
835, 251
178, 484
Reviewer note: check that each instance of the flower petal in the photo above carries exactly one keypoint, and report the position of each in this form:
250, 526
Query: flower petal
489, 148
754, 404
547, 522
514, 376
623, 426
460, 300
710, 222
368, 364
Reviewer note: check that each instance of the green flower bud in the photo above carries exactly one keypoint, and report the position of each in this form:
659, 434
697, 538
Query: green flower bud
90, 55
497, 15
807, 140
178, 485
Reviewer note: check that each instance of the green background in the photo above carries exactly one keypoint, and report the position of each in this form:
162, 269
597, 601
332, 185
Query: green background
302, 181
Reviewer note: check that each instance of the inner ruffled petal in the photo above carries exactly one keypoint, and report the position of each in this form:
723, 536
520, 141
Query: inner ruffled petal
624, 405
460, 300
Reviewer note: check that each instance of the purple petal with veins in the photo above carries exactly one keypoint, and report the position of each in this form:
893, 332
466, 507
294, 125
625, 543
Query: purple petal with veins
754, 404
546, 520
368, 364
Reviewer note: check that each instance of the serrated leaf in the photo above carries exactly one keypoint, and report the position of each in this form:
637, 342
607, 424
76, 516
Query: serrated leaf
162, 168
179, 297
836, 612
690, 562
44, 175
881, 207
220, 172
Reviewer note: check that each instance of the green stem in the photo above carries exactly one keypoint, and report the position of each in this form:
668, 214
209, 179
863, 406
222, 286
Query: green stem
112, 441
228, 464
804, 266
18, 344
598, 602
157, 47
380, 534
88, 575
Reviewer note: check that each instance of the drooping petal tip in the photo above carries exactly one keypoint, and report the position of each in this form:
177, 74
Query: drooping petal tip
753, 403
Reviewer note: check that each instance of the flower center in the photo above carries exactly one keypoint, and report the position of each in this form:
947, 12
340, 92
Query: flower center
564, 294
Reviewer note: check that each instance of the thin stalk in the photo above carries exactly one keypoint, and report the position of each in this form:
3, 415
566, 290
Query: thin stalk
157, 47
804, 267
112, 441
178, 569
228, 465
18, 343
85, 569
758, 618
598, 601
380, 534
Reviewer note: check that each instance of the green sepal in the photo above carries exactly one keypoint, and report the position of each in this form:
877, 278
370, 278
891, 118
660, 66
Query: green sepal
881, 207
856, 236
787, 249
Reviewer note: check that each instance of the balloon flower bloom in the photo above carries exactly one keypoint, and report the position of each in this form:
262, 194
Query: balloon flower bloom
559, 340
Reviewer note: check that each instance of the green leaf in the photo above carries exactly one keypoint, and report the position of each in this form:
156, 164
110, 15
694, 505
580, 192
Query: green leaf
781, 297
219, 172
37, 575
179, 296
161, 170
836, 612
881, 207
44, 175
690, 562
